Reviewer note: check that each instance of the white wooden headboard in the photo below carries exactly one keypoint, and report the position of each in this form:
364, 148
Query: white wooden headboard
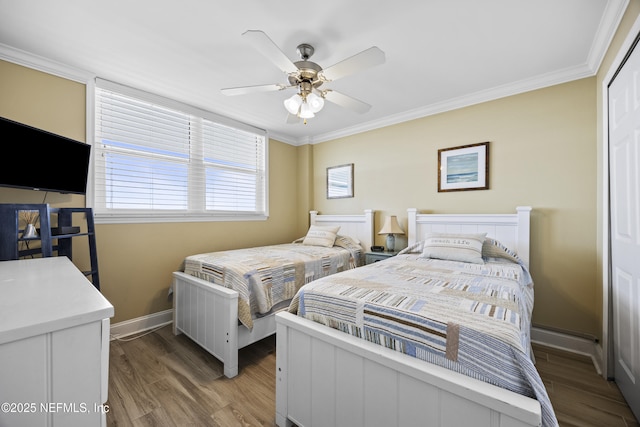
512, 230
356, 226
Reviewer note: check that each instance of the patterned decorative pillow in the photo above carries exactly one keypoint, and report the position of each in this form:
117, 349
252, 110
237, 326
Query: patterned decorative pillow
321, 235
454, 247
347, 242
492, 248
354, 247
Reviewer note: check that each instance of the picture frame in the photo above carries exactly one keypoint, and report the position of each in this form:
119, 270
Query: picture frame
340, 181
464, 168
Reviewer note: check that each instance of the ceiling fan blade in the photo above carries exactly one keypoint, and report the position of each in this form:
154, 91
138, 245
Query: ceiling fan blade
365, 59
268, 48
346, 101
231, 91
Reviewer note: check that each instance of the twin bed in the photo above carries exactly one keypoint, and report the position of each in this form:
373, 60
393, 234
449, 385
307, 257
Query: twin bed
470, 320
213, 304
351, 348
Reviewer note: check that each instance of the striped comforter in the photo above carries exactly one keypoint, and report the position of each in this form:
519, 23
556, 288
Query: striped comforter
471, 318
269, 275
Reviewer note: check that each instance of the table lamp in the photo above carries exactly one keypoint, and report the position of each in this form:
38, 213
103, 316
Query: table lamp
390, 228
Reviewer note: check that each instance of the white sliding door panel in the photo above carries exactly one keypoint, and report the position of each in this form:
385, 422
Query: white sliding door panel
621, 191
624, 178
624, 323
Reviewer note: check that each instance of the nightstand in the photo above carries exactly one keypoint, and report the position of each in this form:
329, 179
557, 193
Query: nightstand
371, 257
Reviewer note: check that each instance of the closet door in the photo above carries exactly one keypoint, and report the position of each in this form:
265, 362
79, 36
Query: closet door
624, 167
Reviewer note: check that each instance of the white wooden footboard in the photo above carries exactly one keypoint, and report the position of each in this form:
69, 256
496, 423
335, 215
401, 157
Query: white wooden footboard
208, 314
328, 378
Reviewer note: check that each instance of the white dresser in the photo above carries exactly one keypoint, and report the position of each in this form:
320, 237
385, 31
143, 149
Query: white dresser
54, 345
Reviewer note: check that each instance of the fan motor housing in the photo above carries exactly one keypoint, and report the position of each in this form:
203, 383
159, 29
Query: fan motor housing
308, 71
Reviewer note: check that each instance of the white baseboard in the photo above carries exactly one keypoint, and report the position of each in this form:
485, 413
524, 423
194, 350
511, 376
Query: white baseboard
141, 324
541, 336
569, 343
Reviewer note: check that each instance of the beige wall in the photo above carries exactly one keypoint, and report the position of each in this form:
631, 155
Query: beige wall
542, 153
57, 105
43, 101
136, 260
545, 152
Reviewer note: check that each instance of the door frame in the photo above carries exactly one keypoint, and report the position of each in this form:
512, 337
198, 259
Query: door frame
607, 320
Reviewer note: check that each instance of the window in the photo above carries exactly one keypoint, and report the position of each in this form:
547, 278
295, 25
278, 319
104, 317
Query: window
158, 160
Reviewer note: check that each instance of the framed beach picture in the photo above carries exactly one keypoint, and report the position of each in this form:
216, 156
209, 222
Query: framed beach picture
464, 168
340, 181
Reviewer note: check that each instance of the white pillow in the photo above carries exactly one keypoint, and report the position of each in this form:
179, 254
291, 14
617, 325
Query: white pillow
454, 247
321, 235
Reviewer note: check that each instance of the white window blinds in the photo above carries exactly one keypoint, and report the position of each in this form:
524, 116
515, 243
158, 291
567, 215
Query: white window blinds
157, 162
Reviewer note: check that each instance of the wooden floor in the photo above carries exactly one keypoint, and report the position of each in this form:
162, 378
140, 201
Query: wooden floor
164, 380
579, 395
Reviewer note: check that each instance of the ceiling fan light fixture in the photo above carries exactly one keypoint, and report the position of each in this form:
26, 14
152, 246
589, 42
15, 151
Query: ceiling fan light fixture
315, 102
293, 104
307, 77
305, 111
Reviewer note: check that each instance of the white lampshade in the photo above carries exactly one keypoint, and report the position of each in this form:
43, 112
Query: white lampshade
305, 111
315, 102
391, 226
293, 104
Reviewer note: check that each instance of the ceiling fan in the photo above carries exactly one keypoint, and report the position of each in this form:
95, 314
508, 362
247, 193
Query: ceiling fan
308, 77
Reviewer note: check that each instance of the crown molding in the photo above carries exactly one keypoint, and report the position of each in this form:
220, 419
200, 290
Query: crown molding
45, 65
614, 13
611, 18
606, 31
522, 86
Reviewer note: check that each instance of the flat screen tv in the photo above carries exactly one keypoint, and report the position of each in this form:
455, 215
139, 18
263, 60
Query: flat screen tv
35, 159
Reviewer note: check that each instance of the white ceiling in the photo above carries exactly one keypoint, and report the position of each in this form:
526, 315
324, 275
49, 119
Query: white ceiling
440, 54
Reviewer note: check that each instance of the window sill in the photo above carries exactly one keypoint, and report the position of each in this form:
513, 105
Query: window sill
139, 218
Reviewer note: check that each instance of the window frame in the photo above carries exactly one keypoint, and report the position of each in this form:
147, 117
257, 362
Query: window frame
107, 216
